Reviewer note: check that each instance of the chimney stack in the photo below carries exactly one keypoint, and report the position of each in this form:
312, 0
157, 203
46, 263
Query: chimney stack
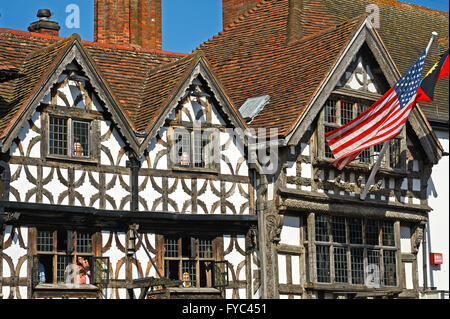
231, 9
129, 23
44, 25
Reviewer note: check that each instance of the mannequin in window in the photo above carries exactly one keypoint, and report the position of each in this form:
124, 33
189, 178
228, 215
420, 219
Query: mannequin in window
185, 159
77, 147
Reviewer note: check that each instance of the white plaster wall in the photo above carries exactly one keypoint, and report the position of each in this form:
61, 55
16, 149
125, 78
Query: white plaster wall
438, 226
21, 184
290, 233
114, 145
149, 193
405, 239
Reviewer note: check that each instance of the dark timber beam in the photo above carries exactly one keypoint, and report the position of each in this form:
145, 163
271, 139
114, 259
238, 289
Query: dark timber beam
33, 214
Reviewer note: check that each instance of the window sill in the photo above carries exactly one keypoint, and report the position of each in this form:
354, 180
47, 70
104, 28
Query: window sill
195, 170
66, 287
365, 168
71, 159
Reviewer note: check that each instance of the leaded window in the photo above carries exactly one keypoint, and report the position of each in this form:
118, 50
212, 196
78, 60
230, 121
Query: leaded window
189, 259
323, 263
390, 270
67, 134
194, 148
340, 111
58, 139
57, 252
353, 251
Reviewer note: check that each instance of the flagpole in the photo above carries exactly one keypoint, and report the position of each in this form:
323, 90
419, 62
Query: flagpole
383, 151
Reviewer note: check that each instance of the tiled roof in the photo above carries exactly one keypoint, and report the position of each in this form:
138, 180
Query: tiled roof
264, 52
34, 68
405, 30
124, 68
158, 89
257, 55
252, 58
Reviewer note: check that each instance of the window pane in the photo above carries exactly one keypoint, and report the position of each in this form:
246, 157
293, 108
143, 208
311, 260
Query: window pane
182, 148
394, 153
388, 233
328, 153
84, 243
339, 230
346, 112
44, 241
323, 263
364, 156
340, 265
205, 248
58, 136
63, 272
330, 111
80, 139
361, 108
357, 256
372, 232
189, 267
171, 247
376, 152
322, 228
373, 258
355, 226
390, 273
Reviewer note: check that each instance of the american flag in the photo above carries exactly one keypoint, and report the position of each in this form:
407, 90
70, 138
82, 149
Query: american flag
380, 122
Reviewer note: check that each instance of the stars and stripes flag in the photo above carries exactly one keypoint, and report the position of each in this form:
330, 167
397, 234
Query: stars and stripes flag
381, 121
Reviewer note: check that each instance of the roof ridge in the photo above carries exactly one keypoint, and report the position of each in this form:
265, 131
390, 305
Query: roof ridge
412, 5
28, 34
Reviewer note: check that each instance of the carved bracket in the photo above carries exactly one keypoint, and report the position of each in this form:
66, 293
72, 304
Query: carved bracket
274, 224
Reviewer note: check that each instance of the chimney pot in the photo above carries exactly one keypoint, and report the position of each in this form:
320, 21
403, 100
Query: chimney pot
44, 15
44, 25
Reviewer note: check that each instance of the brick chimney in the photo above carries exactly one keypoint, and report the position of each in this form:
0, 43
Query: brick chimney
44, 25
231, 9
129, 23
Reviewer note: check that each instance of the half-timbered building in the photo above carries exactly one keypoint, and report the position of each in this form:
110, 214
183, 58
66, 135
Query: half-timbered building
154, 166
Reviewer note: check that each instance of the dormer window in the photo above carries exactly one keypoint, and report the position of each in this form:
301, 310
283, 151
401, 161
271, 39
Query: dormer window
194, 148
69, 137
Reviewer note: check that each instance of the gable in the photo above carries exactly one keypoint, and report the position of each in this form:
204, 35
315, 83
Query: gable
384, 75
363, 74
64, 83
187, 76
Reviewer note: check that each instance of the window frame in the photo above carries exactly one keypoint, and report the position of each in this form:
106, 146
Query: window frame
70, 135
55, 253
214, 166
371, 153
71, 115
180, 258
331, 245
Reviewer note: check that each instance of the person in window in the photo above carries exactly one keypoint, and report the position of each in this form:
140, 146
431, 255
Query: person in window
77, 147
185, 159
84, 270
186, 280
41, 272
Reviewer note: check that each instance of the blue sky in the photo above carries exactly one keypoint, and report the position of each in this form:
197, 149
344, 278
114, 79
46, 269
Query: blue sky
186, 23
